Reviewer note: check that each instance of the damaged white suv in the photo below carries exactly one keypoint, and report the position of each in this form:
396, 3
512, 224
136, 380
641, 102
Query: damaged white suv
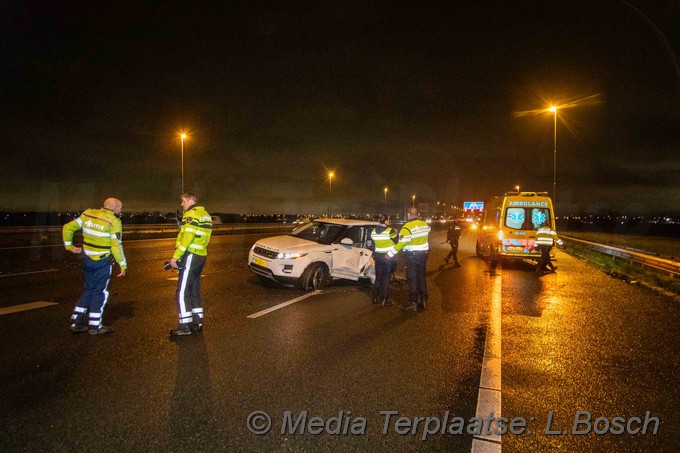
315, 253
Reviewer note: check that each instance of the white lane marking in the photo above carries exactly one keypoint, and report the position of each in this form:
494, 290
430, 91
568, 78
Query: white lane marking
489, 397
24, 307
177, 278
28, 273
284, 304
17, 247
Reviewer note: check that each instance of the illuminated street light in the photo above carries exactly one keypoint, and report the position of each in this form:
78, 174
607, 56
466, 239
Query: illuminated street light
413, 200
330, 191
517, 188
553, 109
588, 101
183, 136
385, 200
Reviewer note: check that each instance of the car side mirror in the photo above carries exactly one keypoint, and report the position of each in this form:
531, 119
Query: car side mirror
347, 241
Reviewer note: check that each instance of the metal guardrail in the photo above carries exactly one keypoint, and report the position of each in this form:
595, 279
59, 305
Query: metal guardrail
662, 264
154, 228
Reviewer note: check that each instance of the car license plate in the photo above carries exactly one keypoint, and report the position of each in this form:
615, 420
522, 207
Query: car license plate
259, 262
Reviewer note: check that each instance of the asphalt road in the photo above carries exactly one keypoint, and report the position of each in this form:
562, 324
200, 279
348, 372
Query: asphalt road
572, 341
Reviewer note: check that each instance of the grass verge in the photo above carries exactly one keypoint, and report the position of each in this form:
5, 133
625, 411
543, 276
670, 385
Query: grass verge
630, 272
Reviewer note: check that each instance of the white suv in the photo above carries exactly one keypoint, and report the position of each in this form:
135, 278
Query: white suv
315, 253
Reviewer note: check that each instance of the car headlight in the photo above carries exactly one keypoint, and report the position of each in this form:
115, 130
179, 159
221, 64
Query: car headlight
289, 256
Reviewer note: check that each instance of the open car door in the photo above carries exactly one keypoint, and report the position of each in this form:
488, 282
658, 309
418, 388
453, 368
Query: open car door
350, 258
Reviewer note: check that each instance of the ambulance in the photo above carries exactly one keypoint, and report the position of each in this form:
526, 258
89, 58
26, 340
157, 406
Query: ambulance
508, 228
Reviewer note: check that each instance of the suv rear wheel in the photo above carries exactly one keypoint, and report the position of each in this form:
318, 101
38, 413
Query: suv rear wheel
314, 277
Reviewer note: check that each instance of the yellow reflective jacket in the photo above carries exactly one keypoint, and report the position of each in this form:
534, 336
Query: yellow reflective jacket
413, 236
102, 235
547, 236
383, 239
194, 234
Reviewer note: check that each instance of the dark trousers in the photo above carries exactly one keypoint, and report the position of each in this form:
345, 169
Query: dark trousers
97, 275
189, 304
383, 272
544, 260
416, 263
453, 253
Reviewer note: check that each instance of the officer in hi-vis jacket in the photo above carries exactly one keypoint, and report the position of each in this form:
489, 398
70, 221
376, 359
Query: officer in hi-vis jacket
102, 244
383, 237
191, 250
546, 238
413, 240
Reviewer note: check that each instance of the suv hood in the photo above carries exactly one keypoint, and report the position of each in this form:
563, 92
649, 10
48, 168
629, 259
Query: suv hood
291, 244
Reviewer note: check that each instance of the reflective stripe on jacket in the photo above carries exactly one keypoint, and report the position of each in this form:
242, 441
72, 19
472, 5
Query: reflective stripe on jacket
383, 239
102, 234
194, 234
413, 236
547, 236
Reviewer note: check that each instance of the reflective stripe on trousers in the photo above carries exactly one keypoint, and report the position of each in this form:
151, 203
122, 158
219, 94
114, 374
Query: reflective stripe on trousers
189, 304
95, 295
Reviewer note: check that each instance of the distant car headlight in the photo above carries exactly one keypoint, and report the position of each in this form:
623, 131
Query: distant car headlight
289, 256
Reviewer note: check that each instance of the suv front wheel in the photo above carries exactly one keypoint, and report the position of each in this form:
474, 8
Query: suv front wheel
315, 277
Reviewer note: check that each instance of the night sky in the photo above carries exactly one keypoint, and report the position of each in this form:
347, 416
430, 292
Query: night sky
422, 99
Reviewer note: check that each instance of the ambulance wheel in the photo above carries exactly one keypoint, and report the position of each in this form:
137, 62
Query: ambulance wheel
493, 258
478, 249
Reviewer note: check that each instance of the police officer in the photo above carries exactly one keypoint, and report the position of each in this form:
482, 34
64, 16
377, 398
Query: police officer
452, 236
102, 244
413, 239
191, 250
546, 238
383, 238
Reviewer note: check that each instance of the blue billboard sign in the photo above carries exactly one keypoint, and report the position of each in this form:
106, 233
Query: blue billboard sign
473, 205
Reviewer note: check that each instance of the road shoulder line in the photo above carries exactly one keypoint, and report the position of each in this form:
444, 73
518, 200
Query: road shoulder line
489, 396
25, 307
284, 304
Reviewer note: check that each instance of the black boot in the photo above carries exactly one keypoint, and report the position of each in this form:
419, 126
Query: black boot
78, 328
386, 302
181, 331
423, 302
100, 330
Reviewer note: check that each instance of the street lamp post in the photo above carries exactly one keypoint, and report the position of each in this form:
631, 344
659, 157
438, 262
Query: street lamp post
413, 200
583, 102
385, 200
554, 110
330, 191
183, 136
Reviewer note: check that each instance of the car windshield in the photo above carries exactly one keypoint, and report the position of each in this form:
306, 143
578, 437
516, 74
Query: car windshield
321, 232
